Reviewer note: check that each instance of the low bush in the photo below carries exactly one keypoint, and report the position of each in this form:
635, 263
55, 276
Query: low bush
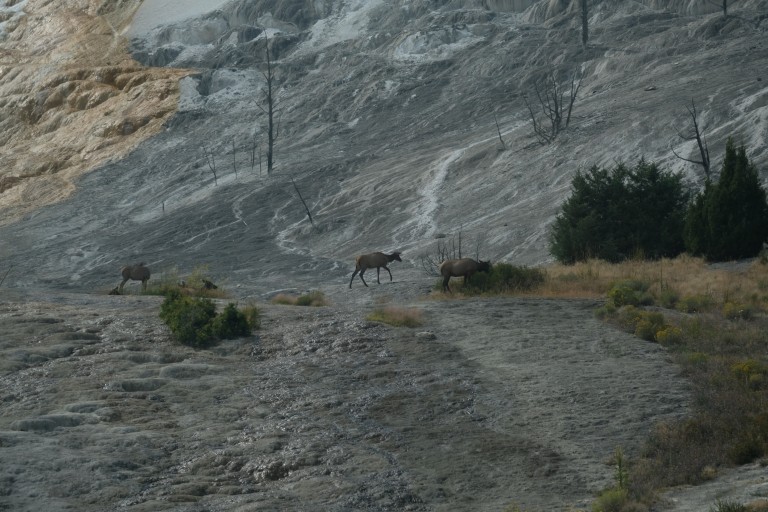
188, 318
649, 324
736, 311
695, 303
194, 322
630, 292
611, 500
230, 323
668, 298
503, 278
750, 371
669, 335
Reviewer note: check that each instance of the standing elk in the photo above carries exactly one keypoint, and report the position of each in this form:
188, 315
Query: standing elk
462, 267
374, 260
136, 272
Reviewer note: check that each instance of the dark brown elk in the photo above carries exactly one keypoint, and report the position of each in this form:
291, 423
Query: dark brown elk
377, 260
462, 267
136, 272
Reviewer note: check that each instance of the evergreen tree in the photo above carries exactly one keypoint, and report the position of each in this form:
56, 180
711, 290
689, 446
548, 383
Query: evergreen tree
729, 219
620, 213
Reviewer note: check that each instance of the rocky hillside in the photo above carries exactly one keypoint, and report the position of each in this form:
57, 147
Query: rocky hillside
387, 116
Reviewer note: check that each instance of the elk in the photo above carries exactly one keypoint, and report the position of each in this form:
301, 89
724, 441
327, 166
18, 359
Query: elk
136, 272
374, 260
462, 267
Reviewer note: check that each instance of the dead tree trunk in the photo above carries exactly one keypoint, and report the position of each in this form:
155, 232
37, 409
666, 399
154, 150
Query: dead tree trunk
234, 157
498, 129
270, 110
306, 208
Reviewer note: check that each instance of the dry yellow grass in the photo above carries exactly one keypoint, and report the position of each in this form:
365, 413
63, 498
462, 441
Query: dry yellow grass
397, 316
684, 275
314, 298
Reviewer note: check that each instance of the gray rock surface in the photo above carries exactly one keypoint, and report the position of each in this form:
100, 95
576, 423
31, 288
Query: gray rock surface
511, 401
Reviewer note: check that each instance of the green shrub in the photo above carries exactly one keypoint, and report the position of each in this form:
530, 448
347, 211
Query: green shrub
668, 298
669, 335
188, 318
644, 324
746, 449
649, 323
506, 277
696, 358
194, 322
627, 317
230, 323
605, 311
750, 372
734, 311
611, 500
503, 278
629, 292
694, 303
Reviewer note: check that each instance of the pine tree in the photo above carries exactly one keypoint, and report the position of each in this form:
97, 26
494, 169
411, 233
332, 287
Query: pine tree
620, 213
729, 219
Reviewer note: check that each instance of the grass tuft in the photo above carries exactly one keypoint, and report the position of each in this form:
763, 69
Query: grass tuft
397, 316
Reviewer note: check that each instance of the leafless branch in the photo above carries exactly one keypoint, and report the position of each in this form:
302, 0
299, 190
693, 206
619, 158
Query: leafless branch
498, 129
555, 102
446, 249
211, 164
700, 141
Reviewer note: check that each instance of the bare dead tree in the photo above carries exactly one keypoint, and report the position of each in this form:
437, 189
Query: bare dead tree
306, 208
498, 129
234, 156
584, 23
696, 134
723, 5
273, 130
254, 148
556, 108
6, 275
446, 249
211, 164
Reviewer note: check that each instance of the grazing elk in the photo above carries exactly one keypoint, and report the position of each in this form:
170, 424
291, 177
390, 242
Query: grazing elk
461, 267
136, 272
374, 260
